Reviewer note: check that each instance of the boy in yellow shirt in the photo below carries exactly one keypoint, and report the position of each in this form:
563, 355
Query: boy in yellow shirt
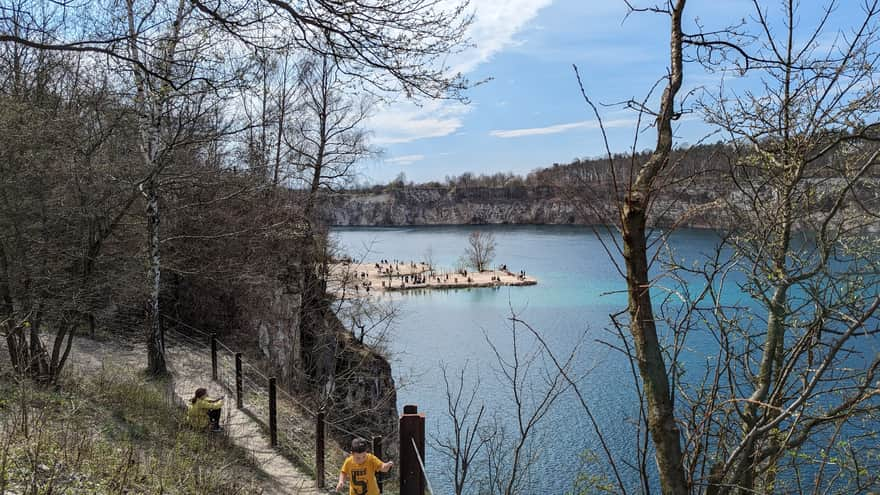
360, 469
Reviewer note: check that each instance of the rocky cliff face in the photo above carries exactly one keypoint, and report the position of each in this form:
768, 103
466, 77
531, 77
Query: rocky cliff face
701, 205
451, 206
503, 205
301, 336
320, 360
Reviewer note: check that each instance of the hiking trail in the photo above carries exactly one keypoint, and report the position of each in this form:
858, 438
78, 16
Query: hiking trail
190, 368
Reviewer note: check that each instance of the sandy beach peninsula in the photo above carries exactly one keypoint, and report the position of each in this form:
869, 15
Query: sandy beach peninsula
350, 279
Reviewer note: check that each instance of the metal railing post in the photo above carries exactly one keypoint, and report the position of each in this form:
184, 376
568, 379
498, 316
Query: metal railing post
377, 451
273, 414
412, 430
214, 356
238, 394
319, 450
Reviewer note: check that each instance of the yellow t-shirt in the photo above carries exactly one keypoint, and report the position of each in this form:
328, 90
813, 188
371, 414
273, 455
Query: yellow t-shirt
362, 477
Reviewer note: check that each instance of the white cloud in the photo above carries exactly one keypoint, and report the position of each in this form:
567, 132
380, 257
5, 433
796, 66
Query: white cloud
495, 26
405, 159
558, 128
496, 23
404, 122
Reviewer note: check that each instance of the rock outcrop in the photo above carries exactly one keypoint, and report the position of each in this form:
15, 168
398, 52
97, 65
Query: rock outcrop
501, 205
320, 360
700, 205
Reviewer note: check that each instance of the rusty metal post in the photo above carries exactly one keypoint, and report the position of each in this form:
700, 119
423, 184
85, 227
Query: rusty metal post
319, 450
238, 394
412, 429
377, 451
273, 414
214, 356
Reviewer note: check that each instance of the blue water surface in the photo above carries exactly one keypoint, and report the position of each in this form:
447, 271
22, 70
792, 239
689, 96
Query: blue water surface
578, 289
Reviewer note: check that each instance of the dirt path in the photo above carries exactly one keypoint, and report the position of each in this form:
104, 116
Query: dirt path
190, 368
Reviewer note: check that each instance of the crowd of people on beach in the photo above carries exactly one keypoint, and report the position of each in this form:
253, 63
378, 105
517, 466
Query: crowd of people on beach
395, 274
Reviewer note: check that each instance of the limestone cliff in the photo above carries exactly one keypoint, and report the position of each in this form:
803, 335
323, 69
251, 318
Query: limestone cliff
301, 336
418, 205
451, 206
319, 360
700, 205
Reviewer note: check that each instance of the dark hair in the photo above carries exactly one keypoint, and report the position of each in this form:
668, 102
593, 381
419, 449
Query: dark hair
200, 392
358, 445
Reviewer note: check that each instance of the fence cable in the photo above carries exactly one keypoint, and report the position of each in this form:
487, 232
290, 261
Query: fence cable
177, 334
248, 365
189, 341
253, 387
175, 320
227, 377
343, 430
297, 403
221, 344
422, 465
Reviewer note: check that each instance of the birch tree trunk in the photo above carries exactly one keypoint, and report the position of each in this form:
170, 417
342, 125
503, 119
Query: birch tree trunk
652, 367
155, 342
154, 95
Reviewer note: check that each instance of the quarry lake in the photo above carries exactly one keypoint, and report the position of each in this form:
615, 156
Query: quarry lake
578, 289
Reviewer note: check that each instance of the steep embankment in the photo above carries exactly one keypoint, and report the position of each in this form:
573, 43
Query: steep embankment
299, 339
451, 206
106, 428
417, 205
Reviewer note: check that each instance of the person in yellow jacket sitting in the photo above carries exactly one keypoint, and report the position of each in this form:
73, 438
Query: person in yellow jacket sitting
204, 411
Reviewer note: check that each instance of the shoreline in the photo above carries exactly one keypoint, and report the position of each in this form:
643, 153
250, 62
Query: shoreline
463, 285
362, 279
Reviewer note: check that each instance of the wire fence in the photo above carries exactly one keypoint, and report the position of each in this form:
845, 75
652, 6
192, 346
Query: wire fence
295, 429
298, 430
421, 460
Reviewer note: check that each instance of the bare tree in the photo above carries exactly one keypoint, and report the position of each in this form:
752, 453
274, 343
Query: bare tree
369, 319
504, 446
328, 138
63, 133
799, 210
168, 52
633, 195
468, 439
166, 49
779, 390
389, 45
648, 351
268, 102
480, 250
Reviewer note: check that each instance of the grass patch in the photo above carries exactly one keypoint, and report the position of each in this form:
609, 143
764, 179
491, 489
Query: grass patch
112, 432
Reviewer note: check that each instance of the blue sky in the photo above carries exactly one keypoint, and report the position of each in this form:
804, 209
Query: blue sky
527, 47
531, 114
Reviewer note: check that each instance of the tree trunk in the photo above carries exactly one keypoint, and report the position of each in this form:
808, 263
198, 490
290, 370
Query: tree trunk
155, 346
652, 368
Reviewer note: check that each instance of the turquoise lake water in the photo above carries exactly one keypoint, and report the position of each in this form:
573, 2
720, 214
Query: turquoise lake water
578, 288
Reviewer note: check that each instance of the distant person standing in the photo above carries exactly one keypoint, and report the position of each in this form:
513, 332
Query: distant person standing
360, 469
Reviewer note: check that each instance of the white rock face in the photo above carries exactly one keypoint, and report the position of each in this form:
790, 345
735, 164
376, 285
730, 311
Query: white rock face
483, 205
279, 331
444, 206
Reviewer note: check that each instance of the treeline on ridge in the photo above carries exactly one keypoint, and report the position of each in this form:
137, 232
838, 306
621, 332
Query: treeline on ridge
696, 162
